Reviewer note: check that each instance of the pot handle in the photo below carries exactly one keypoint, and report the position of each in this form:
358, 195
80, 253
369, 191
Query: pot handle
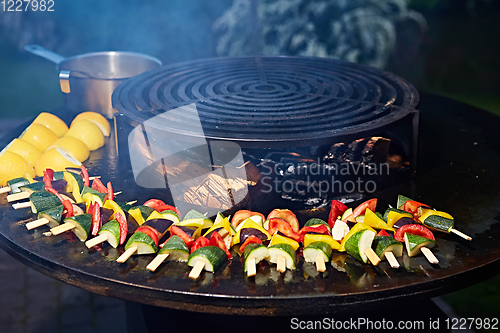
64, 81
44, 53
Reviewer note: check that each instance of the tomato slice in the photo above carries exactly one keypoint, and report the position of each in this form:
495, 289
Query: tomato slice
360, 210
216, 240
199, 242
250, 240
412, 207
414, 229
148, 231
337, 209
287, 215
242, 215
160, 206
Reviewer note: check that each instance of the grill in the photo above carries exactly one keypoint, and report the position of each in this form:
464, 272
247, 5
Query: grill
284, 101
277, 111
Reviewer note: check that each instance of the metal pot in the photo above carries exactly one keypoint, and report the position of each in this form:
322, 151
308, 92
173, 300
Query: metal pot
88, 80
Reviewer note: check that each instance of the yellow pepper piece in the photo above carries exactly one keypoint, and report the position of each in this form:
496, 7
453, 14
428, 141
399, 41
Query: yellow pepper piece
357, 227
155, 215
374, 221
393, 217
428, 212
311, 238
278, 239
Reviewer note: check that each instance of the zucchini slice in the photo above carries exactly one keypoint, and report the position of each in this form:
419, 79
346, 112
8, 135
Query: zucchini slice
358, 243
54, 215
255, 251
213, 257
414, 243
315, 221
283, 250
15, 183
112, 230
317, 249
383, 244
43, 200
82, 225
144, 243
176, 249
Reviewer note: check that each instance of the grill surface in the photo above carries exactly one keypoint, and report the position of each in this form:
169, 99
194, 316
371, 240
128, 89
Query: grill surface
257, 100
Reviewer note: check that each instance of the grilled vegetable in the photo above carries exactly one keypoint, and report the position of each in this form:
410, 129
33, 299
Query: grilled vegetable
176, 249
287, 215
313, 250
358, 243
54, 215
414, 243
144, 243
311, 238
212, 256
384, 244
82, 225
283, 250
43, 200
257, 252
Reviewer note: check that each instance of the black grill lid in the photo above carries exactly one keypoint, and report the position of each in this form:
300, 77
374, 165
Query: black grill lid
268, 99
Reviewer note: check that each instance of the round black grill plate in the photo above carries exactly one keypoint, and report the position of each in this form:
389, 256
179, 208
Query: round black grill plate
257, 100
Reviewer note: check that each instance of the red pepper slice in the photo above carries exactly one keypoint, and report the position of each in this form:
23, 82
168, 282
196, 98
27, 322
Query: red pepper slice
48, 175
123, 226
85, 175
149, 231
160, 206
337, 209
382, 232
277, 224
319, 229
111, 194
96, 218
68, 208
412, 207
174, 230
216, 240
200, 242
51, 190
99, 186
250, 240
415, 229
361, 209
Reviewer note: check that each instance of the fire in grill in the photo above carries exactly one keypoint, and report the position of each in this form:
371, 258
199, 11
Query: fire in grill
282, 113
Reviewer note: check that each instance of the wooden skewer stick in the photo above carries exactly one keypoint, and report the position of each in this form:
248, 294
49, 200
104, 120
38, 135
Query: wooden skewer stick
461, 234
20, 205
320, 264
96, 240
94, 177
37, 223
196, 271
251, 268
62, 228
131, 202
372, 256
116, 193
18, 196
156, 262
429, 255
127, 254
281, 264
5, 189
392, 259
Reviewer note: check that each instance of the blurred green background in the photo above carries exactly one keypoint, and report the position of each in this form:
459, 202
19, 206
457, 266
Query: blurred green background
456, 55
